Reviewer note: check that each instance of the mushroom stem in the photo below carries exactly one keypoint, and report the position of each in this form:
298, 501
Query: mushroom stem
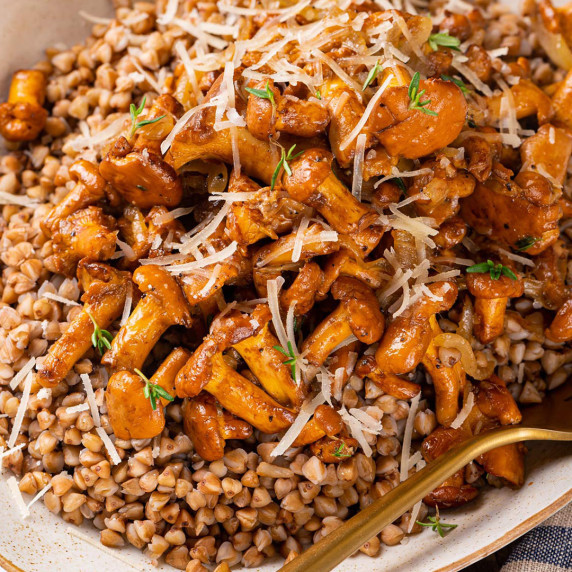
104, 300
326, 421
489, 318
235, 393
209, 428
267, 364
23, 117
163, 305
448, 381
313, 183
388, 382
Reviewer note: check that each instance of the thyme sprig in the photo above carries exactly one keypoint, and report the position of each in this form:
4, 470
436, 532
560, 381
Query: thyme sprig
415, 97
458, 82
135, 112
284, 158
292, 357
152, 391
436, 525
371, 76
101, 339
526, 242
445, 40
495, 270
265, 93
339, 452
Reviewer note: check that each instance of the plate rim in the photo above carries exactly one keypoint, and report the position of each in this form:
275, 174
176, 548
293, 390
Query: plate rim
467, 560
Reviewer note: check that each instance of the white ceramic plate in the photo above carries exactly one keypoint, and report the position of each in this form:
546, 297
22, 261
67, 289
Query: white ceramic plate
42, 543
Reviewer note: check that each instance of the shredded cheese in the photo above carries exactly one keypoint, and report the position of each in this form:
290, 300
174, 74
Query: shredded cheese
77, 408
91, 398
406, 445
127, 306
21, 410
56, 298
516, 257
306, 411
40, 495
113, 454
219, 256
465, 411
273, 288
26, 369
19, 200
170, 12
357, 180
299, 239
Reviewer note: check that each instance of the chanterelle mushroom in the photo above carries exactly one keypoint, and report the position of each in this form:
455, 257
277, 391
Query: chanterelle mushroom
23, 116
491, 297
162, 305
357, 314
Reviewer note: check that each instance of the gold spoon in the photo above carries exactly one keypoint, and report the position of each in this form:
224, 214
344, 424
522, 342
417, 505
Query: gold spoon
549, 421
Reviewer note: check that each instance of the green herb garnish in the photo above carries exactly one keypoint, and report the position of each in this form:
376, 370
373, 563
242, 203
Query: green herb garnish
152, 391
495, 270
101, 339
458, 82
291, 361
135, 112
318, 94
339, 452
284, 158
525, 243
265, 93
415, 97
441, 528
371, 75
141, 187
399, 182
445, 40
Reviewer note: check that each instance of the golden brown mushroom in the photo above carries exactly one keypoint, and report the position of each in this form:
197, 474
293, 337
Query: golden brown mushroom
162, 305
141, 177
357, 314
286, 113
89, 189
408, 336
388, 382
560, 329
104, 298
414, 134
509, 211
529, 99
448, 381
441, 190
334, 449
491, 297
87, 233
199, 140
561, 101
209, 427
23, 117
304, 289
313, 183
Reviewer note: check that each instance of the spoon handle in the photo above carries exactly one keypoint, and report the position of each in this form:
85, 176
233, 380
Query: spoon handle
350, 536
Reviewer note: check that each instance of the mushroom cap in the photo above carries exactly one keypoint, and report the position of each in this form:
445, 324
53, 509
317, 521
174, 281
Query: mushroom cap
141, 177
90, 271
482, 285
83, 171
361, 307
21, 121
328, 419
130, 412
309, 171
236, 326
418, 134
201, 425
157, 282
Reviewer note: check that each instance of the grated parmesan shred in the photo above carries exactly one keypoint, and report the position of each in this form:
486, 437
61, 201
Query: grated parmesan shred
19, 500
26, 369
128, 305
465, 411
91, 398
19, 200
113, 454
61, 299
21, 410
219, 256
77, 408
299, 239
306, 411
406, 446
39, 495
357, 180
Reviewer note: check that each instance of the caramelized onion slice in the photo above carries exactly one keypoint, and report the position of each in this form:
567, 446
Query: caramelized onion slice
468, 359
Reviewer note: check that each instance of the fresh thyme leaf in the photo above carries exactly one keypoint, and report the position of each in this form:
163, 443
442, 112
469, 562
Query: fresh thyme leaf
415, 97
283, 163
458, 82
135, 112
441, 528
339, 452
399, 182
525, 243
265, 93
292, 358
471, 123
100, 339
445, 40
495, 270
141, 187
318, 94
152, 391
371, 76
